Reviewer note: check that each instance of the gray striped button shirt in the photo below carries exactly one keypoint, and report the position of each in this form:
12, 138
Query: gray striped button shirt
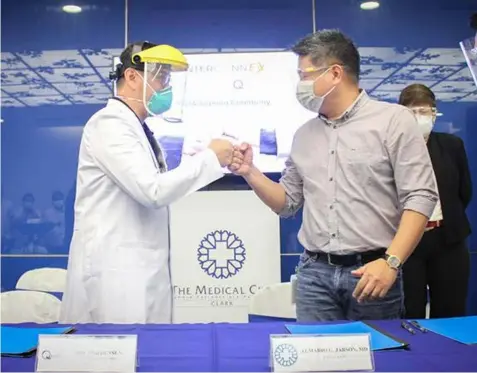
354, 176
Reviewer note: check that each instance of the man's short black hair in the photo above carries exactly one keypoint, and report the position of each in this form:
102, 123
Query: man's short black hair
127, 54
330, 46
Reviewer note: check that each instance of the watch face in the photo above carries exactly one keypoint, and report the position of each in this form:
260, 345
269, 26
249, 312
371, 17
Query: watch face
394, 261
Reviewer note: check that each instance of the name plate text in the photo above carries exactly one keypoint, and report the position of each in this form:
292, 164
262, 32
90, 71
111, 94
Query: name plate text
318, 353
86, 353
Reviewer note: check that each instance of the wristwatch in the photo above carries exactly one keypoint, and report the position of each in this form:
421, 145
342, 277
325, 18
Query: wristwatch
393, 261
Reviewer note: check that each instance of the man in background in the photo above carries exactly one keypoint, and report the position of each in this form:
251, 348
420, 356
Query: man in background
7, 216
55, 215
362, 172
26, 227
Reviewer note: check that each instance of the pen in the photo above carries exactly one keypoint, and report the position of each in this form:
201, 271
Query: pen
418, 326
406, 326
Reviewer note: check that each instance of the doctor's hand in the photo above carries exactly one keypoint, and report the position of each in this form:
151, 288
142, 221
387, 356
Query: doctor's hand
243, 160
224, 150
376, 278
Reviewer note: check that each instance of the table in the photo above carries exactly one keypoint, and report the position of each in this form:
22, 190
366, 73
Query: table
245, 348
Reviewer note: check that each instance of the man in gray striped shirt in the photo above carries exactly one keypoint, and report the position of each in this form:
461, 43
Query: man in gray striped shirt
363, 175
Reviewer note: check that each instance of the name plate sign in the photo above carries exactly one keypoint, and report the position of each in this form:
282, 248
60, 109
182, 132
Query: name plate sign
318, 353
86, 353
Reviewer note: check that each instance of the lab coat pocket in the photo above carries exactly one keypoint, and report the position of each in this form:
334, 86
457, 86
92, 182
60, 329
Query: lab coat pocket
129, 273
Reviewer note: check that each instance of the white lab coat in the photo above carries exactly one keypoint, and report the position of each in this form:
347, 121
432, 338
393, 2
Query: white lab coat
118, 267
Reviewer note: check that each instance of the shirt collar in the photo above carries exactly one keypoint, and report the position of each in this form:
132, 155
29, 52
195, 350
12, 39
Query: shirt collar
350, 111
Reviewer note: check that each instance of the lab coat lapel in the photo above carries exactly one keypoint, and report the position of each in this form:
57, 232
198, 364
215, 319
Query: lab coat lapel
156, 148
161, 160
137, 126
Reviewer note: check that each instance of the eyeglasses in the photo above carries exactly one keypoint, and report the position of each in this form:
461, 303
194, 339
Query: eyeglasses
162, 74
424, 110
164, 78
309, 72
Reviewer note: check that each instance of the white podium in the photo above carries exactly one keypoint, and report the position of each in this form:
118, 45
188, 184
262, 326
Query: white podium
225, 245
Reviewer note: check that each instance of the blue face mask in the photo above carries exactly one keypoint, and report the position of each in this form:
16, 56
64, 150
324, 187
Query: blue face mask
160, 102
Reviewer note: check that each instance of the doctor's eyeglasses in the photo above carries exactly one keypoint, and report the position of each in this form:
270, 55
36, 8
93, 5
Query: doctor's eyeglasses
161, 74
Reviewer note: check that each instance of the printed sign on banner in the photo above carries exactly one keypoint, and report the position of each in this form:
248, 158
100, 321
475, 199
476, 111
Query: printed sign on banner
225, 246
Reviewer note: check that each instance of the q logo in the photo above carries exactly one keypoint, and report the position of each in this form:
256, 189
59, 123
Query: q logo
238, 84
46, 355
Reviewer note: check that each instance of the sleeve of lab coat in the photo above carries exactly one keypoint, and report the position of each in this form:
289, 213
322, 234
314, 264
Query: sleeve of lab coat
118, 151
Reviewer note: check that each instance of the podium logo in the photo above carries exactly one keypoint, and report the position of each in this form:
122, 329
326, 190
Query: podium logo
285, 355
221, 254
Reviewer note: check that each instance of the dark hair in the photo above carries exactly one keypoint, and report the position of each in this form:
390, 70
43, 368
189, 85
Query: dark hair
126, 58
473, 21
57, 196
28, 197
330, 46
417, 94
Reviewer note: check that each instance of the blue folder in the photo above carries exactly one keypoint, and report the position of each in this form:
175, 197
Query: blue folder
380, 340
17, 341
461, 329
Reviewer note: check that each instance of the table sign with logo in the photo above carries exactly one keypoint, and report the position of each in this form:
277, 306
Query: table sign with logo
319, 353
86, 353
225, 246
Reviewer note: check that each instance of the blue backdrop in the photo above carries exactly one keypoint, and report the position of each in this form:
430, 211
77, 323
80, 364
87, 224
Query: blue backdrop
55, 68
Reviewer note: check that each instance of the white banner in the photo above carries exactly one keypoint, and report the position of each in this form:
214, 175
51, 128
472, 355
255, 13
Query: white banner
469, 48
225, 245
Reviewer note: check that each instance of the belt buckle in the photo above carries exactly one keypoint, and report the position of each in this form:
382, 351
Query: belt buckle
330, 262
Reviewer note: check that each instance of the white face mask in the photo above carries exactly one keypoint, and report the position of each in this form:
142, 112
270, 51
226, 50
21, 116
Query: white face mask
426, 124
305, 94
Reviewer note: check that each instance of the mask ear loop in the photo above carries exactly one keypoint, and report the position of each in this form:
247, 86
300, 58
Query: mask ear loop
159, 69
318, 77
145, 84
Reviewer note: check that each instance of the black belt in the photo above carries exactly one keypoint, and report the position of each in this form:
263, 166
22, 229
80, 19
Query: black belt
348, 260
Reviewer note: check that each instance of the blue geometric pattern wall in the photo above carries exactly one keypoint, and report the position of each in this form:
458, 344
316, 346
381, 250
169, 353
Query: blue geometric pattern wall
72, 77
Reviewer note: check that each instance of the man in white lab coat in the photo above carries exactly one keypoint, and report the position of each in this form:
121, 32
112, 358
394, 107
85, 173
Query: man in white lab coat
118, 268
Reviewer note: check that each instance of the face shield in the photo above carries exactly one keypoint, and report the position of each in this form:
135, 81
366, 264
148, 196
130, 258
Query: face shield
164, 91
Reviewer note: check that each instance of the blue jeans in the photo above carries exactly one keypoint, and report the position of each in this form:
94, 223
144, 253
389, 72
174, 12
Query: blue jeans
325, 293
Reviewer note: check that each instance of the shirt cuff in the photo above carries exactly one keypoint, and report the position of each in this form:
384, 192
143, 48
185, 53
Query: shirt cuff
422, 205
287, 209
213, 163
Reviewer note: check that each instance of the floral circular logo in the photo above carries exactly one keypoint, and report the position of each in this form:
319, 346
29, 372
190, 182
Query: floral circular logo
285, 355
221, 254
